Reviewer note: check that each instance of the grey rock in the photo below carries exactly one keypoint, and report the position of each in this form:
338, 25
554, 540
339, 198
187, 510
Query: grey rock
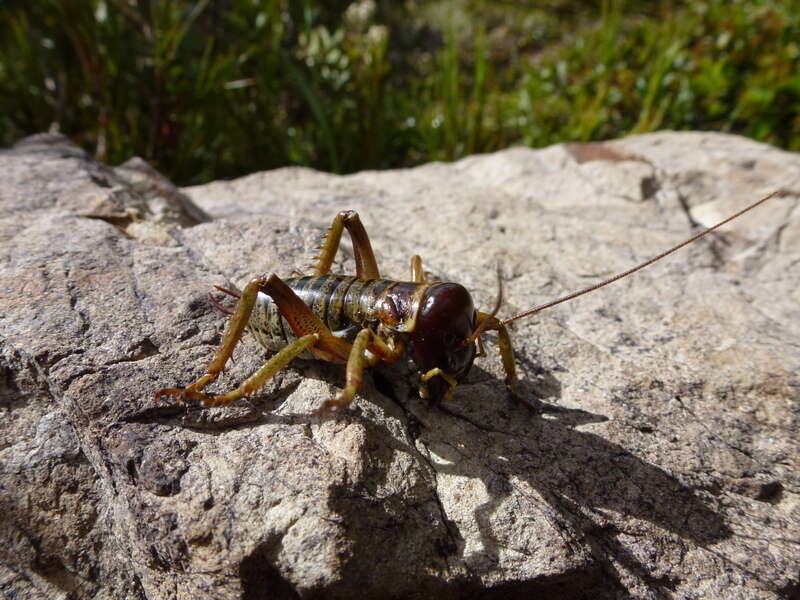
657, 455
49, 174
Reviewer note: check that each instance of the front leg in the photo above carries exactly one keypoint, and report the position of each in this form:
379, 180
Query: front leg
506, 352
507, 356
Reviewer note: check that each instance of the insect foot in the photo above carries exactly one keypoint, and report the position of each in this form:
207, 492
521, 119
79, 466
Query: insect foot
181, 395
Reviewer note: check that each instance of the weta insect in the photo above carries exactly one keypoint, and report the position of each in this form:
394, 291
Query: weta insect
365, 319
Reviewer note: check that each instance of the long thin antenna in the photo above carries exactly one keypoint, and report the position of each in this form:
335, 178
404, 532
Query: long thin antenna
646, 263
487, 322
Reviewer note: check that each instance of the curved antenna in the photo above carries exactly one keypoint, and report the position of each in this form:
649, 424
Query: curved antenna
646, 263
487, 322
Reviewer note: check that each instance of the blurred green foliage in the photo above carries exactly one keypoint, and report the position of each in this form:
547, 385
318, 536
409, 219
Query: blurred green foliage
212, 89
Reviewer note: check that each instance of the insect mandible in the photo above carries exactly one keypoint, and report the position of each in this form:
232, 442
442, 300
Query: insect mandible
363, 320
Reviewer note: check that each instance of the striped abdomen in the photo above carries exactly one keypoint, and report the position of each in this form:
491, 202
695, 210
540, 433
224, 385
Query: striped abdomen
345, 304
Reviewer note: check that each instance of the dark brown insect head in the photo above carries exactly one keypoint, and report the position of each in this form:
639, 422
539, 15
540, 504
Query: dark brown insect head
445, 321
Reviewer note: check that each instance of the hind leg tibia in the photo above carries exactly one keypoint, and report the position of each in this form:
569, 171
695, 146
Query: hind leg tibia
260, 377
366, 266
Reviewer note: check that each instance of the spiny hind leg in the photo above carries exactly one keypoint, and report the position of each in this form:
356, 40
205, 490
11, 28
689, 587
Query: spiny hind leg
367, 351
417, 272
366, 266
304, 323
233, 333
260, 377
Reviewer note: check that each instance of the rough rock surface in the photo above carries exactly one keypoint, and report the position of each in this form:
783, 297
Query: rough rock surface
660, 459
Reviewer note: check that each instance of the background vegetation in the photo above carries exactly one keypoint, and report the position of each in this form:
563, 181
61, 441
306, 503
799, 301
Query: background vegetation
213, 89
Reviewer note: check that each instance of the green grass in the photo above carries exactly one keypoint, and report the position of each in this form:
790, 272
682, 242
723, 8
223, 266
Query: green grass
207, 90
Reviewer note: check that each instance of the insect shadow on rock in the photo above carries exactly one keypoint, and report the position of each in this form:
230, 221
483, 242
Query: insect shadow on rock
363, 320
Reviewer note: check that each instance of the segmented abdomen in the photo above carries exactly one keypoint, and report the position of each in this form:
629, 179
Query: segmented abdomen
345, 304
